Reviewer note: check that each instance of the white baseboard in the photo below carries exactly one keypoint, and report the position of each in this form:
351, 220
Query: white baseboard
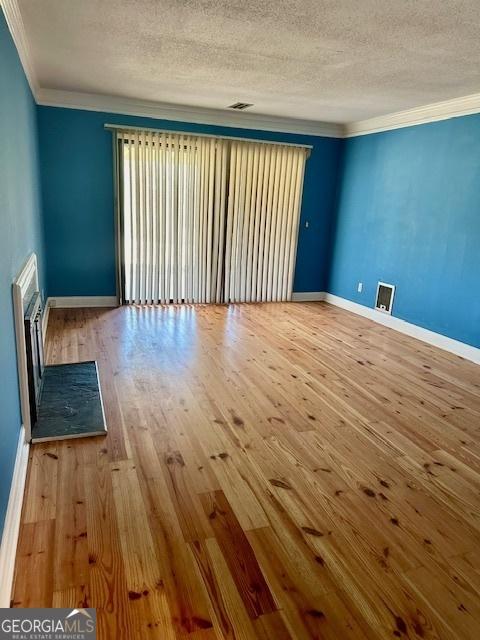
308, 296
11, 527
430, 337
71, 302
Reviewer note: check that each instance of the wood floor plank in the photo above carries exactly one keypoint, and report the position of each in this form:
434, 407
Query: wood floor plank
186, 594
146, 588
72, 597
33, 582
41, 499
108, 591
238, 554
270, 472
271, 625
230, 617
455, 608
71, 547
307, 611
141, 565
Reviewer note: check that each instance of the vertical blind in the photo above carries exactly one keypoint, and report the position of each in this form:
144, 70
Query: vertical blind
207, 219
264, 199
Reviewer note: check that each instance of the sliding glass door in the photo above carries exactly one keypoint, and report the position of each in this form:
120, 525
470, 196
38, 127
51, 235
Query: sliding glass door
206, 219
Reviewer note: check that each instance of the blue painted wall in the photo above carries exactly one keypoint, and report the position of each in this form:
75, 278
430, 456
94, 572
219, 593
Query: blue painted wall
409, 214
20, 234
77, 185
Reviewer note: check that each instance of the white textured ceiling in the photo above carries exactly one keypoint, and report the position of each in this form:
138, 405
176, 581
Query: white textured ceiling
339, 60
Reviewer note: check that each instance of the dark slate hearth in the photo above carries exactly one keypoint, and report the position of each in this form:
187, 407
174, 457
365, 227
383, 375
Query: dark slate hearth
70, 403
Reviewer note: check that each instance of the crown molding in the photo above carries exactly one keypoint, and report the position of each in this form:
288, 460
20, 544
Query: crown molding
444, 110
183, 113
433, 112
457, 107
16, 27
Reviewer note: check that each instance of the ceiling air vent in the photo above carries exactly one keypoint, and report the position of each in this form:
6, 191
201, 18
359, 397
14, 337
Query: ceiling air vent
384, 300
240, 106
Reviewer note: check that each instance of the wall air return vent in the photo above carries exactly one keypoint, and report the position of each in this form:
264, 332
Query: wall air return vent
240, 106
384, 300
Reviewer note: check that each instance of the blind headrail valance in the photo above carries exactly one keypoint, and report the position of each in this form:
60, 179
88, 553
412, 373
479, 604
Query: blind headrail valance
127, 129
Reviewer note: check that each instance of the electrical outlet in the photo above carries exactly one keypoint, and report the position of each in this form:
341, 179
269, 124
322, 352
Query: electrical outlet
360, 287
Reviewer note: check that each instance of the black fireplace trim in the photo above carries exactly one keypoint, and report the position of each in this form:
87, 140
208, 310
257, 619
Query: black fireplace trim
34, 352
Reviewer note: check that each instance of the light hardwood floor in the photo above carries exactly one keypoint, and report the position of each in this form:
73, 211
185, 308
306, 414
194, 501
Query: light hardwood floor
270, 471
